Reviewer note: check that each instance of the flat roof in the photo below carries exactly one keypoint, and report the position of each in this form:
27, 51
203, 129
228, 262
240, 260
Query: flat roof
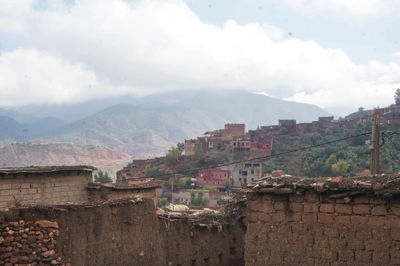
45, 169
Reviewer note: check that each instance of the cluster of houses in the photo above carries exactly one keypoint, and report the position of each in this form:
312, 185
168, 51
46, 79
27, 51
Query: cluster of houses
233, 138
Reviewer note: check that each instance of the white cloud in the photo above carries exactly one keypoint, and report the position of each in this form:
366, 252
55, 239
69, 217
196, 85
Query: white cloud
347, 7
158, 45
31, 76
396, 55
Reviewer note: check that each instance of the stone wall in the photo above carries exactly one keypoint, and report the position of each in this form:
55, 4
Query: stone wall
128, 232
317, 229
21, 189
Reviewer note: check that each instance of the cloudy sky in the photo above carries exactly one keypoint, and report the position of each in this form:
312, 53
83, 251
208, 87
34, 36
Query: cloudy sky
337, 54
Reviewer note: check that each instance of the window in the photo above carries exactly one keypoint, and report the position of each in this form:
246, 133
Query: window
244, 172
252, 171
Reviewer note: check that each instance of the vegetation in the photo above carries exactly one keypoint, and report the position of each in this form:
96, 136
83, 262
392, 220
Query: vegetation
102, 177
150, 171
185, 183
198, 200
397, 97
198, 150
172, 156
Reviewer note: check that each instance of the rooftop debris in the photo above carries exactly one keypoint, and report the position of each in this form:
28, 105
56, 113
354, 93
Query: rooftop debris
372, 185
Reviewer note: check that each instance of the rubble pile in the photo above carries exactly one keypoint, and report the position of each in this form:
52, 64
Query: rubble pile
29, 243
378, 185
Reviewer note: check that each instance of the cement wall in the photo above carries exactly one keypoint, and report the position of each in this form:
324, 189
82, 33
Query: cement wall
43, 188
313, 229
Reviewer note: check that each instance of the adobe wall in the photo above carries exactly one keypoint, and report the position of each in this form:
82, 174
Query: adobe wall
43, 188
128, 232
317, 229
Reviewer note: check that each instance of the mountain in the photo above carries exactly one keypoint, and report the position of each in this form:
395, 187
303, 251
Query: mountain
12, 130
156, 122
148, 126
42, 154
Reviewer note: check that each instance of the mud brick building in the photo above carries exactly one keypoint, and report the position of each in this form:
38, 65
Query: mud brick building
323, 221
212, 178
106, 192
242, 174
44, 185
190, 144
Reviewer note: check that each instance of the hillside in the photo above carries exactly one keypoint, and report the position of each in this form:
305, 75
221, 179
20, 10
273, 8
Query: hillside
148, 126
27, 154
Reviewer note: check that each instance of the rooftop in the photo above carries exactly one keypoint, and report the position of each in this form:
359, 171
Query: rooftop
347, 186
45, 169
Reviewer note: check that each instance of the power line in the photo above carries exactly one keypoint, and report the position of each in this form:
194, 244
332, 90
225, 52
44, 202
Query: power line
263, 157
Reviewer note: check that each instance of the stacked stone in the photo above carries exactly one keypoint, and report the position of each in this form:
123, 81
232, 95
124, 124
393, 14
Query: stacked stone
29, 243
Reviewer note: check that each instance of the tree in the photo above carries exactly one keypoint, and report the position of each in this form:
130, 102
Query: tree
102, 177
185, 183
181, 147
150, 171
172, 156
361, 109
227, 185
173, 180
340, 168
397, 97
198, 150
198, 200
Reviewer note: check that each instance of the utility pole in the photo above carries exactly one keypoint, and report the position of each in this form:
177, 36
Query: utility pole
375, 145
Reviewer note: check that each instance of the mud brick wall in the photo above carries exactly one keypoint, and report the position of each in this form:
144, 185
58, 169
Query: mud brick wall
43, 188
126, 232
29, 243
313, 229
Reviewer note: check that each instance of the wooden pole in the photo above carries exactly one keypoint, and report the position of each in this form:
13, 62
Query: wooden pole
375, 145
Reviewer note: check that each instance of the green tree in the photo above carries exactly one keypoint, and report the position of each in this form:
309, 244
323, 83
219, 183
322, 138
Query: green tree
197, 200
185, 183
397, 97
173, 181
102, 177
181, 147
340, 168
150, 171
227, 185
172, 156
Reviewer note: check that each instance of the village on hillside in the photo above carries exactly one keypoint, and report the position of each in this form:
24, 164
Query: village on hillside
214, 181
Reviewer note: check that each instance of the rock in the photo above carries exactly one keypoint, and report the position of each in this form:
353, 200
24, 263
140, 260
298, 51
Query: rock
337, 182
47, 224
49, 253
378, 186
21, 223
320, 187
141, 253
1, 240
10, 232
53, 262
365, 185
23, 259
14, 260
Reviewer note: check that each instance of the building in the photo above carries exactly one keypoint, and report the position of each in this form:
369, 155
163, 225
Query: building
325, 119
190, 144
289, 125
50, 185
184, 196
212, 177
104, 192
242, 174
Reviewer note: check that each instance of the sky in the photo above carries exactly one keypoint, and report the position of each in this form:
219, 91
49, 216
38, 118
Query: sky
337, 54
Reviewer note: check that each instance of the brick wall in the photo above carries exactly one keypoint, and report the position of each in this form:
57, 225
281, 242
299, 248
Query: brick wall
43, 188
313, 229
